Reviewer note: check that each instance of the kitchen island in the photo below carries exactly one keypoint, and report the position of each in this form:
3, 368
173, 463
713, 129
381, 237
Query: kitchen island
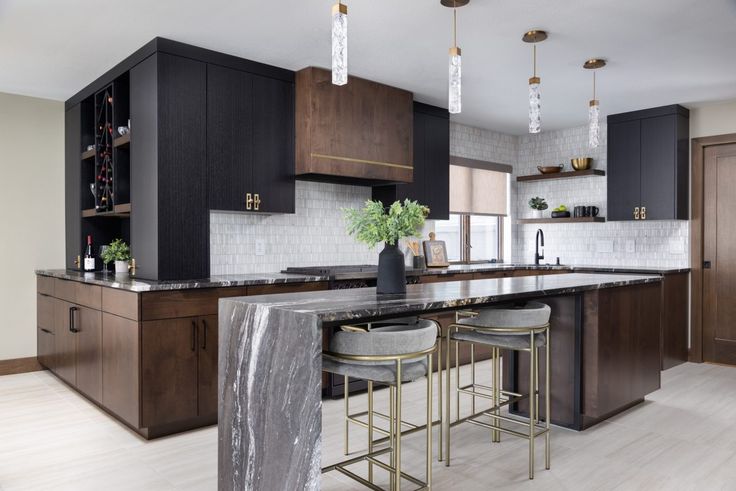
604, 348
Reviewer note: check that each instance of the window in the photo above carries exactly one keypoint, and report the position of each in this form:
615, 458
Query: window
480, 236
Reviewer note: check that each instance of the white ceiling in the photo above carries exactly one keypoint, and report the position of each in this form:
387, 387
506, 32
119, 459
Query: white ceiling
659, 51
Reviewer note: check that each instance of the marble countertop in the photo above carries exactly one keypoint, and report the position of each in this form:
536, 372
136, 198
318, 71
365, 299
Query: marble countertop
125, 282
364, 303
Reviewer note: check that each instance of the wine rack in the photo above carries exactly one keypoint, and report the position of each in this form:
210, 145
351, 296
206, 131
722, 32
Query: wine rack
104, 193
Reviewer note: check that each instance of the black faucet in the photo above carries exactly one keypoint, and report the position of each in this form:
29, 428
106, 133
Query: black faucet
537, 255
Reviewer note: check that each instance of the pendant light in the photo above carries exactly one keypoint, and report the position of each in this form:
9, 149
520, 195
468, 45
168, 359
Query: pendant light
339, 43
594, 113
535, 115
454, 95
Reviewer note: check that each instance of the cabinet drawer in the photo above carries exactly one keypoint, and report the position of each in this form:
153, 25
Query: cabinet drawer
287, 288
45, 312
185, 303
120, 302
45, 347
79, 293
445, 277
489, 275
44, 285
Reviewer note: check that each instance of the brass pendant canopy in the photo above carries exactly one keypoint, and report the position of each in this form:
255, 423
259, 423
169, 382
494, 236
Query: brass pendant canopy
534, 36
594, 63
454, 3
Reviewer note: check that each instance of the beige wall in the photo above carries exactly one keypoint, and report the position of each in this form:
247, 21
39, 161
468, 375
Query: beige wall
31, 212
713, 119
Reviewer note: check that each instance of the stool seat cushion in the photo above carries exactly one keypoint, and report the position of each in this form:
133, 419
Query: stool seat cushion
530, 314
410, 370
506, 341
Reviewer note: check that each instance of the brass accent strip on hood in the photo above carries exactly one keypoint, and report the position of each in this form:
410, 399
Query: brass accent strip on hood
361, 161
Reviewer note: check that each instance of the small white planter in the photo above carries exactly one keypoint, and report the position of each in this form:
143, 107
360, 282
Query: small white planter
537, 214
121, 267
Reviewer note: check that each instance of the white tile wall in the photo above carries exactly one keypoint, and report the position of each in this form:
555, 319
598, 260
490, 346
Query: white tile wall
650, 243
315, 234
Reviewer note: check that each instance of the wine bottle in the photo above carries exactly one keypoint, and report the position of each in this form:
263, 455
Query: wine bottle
89, 258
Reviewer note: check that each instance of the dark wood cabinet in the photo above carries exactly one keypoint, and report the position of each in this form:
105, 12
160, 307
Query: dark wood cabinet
250, 142
648, 164
121, 366
431, 182
207, 366
65, 347
87, 325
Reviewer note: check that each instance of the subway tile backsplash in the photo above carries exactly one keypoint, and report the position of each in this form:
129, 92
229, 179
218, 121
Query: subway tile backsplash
315, 234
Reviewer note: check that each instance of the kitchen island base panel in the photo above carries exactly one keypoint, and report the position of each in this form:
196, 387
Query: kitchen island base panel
270, 415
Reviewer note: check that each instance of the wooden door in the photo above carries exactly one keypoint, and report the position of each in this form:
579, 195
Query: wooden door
437, 167
88, 324
624, 179
207, 366
121, 367
229, 137
168, 371
65, 348
273, 144
658, 155
719, 249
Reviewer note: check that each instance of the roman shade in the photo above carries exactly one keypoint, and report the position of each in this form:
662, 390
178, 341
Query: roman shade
478, 187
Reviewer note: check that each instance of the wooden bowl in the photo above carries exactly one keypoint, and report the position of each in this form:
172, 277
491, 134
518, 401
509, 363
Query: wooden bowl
581, 163
550, 169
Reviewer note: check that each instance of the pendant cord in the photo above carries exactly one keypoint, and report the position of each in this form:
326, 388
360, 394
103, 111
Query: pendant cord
593, 84
454, 26
534, 58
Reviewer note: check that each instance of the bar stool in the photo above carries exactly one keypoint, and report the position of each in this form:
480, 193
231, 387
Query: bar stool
392, 355
522, 327
359, 418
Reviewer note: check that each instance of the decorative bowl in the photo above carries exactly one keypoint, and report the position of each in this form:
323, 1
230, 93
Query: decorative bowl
581, 163
550, 169
560, 214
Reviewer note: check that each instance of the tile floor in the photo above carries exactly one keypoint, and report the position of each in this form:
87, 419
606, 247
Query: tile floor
683, 437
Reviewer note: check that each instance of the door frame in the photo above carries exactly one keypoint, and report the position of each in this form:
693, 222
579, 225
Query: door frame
697, 189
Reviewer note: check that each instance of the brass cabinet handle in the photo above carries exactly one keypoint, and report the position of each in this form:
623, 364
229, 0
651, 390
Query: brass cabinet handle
257, 201
78, 261
248, 201
643, 212
636, 213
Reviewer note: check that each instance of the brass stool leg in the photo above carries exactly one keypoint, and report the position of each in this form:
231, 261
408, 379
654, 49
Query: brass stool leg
495, 434
347, 409
472, 377
370, 428
441, 428
457, 381
546, 404
392, 442
397, 434
429, 422
536, 383
446, 420
532, 415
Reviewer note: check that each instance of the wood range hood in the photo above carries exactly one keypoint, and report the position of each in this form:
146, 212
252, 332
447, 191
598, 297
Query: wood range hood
358, 133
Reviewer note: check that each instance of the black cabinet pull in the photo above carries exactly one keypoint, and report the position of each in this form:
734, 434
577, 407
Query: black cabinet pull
194, 335
72, 327
204, 336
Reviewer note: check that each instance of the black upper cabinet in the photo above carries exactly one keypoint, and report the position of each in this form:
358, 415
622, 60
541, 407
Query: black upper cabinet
431, 182
250, 141
648, 164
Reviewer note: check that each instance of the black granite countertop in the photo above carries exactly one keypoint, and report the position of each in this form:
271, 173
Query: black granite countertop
126, 282
364, 303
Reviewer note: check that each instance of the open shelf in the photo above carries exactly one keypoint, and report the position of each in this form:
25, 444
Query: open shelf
89, 154
121, 141
563, 220
120, 211
562, 175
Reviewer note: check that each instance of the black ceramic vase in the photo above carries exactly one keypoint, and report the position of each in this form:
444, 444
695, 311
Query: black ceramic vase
391, 270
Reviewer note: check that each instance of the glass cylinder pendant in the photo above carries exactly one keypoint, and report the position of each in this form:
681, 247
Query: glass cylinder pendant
455, 86
594, 124
535, 114
339, 44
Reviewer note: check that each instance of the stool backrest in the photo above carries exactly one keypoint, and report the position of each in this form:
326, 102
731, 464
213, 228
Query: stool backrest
386, 340
530, 314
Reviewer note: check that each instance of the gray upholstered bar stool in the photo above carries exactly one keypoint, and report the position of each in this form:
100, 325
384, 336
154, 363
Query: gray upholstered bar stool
392, 355
523, 327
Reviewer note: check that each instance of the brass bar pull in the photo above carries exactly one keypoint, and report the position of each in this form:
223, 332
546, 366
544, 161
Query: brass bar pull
643, 212
204, 334
636, 213
257, 201
248, 201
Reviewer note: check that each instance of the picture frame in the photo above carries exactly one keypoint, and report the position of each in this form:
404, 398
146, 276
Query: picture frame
435, 252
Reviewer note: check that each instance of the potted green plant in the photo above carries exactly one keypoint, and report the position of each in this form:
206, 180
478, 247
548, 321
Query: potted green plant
374, 223
119, 252
538, 205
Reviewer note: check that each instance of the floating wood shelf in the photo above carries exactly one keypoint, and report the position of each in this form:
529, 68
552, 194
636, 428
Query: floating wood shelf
563, 220
121, 141
120, 211
89, 154
562, 175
